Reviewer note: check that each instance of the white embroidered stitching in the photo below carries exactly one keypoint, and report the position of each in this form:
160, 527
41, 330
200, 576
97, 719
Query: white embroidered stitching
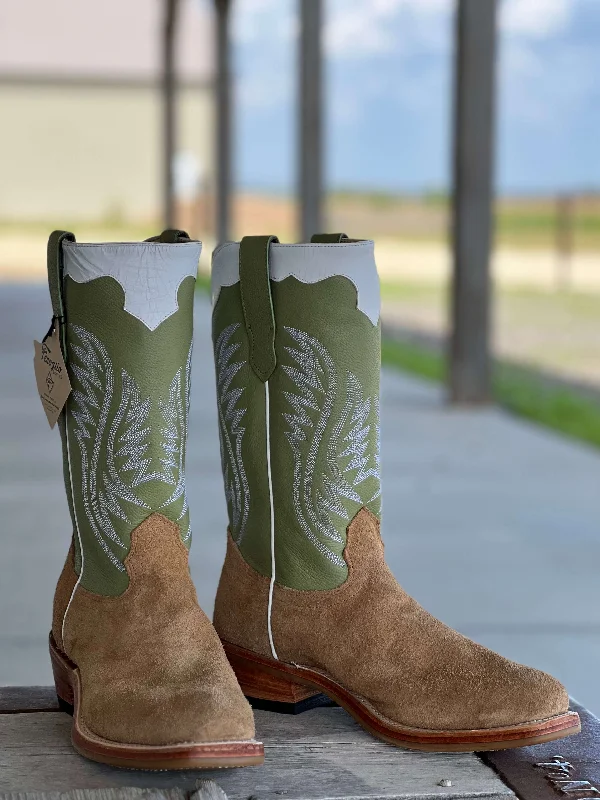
316, 382
340, 486
126, 441
231, 432
348, 460
377, 471
95, 374
358, 435
132, 442
175, 411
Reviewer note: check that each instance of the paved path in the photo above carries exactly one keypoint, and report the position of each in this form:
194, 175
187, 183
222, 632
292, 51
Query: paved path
493, 524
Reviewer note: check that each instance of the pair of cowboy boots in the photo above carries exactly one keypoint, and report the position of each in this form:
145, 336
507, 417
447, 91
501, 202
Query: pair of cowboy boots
306, 605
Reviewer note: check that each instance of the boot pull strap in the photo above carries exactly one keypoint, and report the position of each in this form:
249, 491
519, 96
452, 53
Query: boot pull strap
328, 238
170, 236
257, 303
55, 279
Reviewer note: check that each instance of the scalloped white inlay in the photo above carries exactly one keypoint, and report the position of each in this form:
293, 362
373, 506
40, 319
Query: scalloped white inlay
309, 263
150, 273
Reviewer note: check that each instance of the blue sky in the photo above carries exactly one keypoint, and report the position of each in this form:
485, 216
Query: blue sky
388, 89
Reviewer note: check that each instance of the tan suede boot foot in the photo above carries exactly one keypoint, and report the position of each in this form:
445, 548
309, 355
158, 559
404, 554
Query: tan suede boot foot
306, 604
145, 671
403, 674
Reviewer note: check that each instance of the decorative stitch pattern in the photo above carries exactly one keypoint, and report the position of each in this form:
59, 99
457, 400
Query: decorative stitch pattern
231, 431
107, 487
376, 498
316, 381
175, 411
351, 452
92, 367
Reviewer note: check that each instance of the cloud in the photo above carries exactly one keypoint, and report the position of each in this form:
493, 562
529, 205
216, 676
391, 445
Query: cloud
358, 28
353, 28
264, 33
531, 86
263, 22
369, 28
535, 19
389, 63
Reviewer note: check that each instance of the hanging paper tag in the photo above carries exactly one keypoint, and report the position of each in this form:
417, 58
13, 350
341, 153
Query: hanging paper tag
51, 374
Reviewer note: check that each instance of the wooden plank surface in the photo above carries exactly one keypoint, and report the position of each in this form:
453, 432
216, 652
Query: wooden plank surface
205, 790
131, 793
320, 754
570, 767
22, 699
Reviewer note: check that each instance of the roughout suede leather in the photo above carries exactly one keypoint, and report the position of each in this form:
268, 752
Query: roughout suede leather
244, 625
152, 668
376, 641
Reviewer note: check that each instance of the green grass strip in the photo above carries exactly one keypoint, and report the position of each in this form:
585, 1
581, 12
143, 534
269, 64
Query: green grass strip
515, 388
557, 407
414, 358
203, 282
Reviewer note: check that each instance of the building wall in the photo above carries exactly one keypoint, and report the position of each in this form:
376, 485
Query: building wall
92, 150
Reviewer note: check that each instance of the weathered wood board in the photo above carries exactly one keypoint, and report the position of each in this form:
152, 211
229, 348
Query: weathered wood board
568, 768
317, 755
205, 790
22, 699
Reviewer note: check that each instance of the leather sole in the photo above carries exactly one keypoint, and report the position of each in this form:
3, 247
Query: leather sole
265, 679
191, 755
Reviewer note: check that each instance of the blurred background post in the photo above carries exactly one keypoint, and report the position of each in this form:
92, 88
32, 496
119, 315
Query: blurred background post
474, 101
223, 138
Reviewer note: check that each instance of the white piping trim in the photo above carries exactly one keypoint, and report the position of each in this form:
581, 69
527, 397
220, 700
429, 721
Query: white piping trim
62, 630
272, 510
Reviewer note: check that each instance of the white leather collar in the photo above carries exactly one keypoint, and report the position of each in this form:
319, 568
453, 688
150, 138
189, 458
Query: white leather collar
150, 273
309, 263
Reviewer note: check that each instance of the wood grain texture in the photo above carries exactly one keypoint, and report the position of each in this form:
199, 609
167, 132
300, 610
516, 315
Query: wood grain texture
207, 790
124, 793
320, 754
576, 759
23, 699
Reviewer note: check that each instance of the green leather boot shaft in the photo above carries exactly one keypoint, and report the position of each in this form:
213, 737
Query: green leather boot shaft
303, 446
128, 345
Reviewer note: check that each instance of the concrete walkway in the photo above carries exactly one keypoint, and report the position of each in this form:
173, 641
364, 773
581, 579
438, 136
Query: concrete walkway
493, 524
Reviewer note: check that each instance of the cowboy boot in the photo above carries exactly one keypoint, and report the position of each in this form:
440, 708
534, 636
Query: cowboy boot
133, 655
306, 604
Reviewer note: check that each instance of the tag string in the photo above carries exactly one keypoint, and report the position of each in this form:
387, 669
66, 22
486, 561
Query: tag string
52, 328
